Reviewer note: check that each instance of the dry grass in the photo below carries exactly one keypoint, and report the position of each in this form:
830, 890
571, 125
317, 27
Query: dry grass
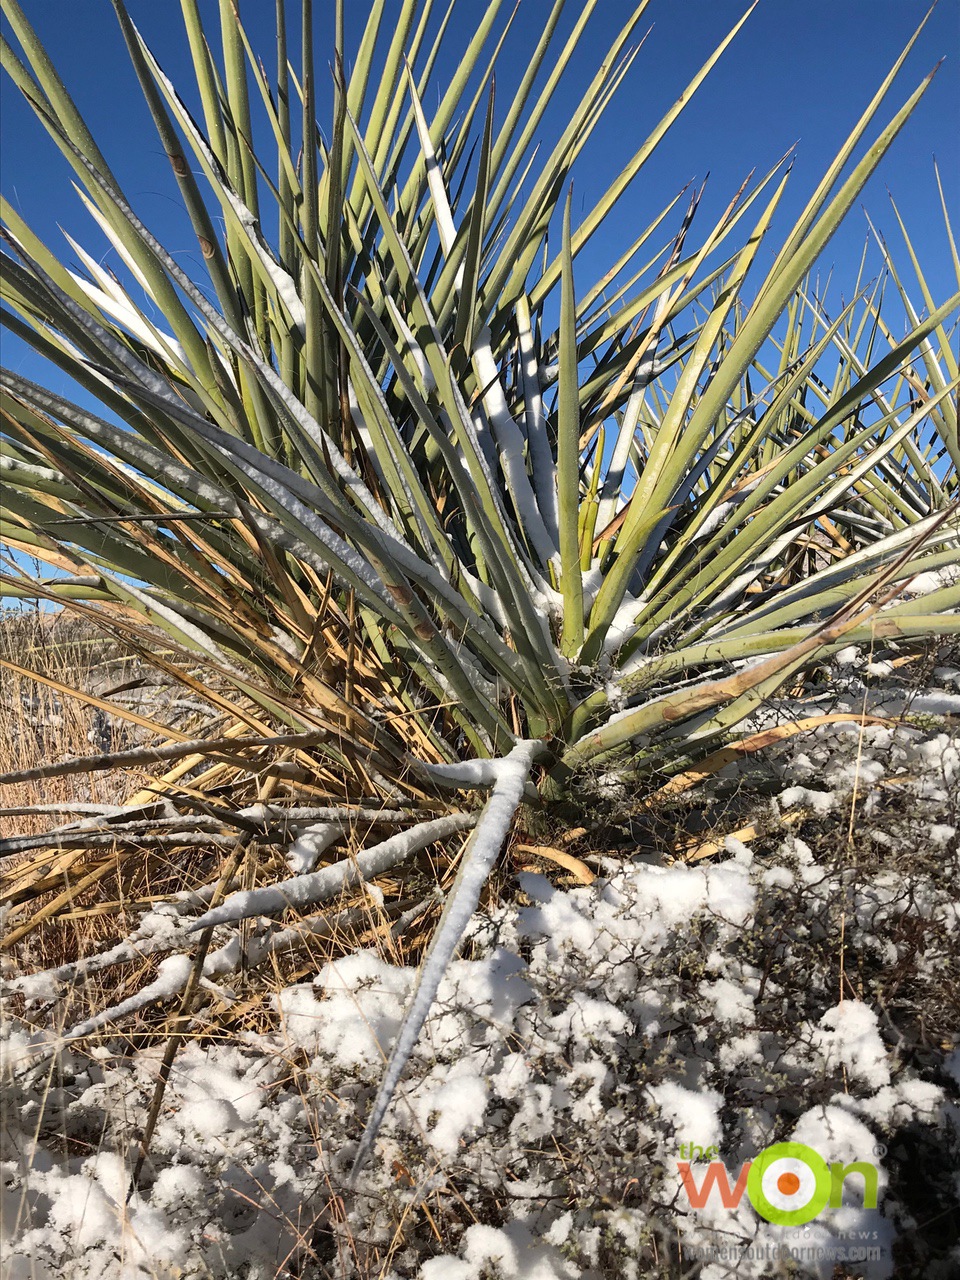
63, 906
40, 724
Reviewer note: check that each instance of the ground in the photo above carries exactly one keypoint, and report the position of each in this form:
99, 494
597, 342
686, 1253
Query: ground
611, 1019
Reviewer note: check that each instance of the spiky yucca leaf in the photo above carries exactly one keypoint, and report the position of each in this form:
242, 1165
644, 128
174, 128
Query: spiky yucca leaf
397, 520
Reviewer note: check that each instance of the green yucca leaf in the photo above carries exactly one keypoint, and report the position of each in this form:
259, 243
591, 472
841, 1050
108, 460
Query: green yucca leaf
568, 455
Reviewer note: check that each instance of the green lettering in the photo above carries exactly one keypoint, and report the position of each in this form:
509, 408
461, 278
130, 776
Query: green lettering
839, 1172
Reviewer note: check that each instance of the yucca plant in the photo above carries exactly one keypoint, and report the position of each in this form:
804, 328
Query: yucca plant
416, 512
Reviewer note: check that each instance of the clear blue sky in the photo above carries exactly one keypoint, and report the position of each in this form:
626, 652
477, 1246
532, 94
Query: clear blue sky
801, 70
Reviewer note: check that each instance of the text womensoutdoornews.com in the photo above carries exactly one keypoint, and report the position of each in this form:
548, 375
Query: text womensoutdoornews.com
782, 1251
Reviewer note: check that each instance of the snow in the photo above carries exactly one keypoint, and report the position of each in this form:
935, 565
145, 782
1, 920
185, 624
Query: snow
83, 1211
730, 1002
936, 704
217, 1096
310, 845
468, 773
808, 798
581, 1035
623, 626
838, 1136
849, 1034
449, 1110
848, 657
89, 1208
509, 1251
359, 1016
687, 1112
922, 584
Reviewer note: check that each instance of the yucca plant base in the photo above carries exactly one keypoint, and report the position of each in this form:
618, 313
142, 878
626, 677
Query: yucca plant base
433, 539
